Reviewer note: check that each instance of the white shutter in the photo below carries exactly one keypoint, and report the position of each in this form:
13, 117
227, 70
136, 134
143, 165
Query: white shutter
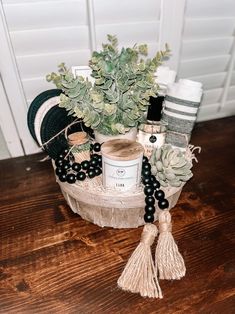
43, 34
4, 153
132, 21
206, 54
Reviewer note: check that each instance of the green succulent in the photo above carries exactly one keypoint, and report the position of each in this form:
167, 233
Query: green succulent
170, 166
119, 96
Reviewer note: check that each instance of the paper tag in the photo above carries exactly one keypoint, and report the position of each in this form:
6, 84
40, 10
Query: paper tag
146, 138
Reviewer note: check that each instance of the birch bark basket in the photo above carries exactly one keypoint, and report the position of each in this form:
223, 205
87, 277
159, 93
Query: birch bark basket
110, 208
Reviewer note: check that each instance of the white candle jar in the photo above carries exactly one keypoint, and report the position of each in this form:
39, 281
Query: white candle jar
122, 164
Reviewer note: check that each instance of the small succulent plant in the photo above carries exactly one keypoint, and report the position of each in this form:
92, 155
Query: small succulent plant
118, 99
170, 166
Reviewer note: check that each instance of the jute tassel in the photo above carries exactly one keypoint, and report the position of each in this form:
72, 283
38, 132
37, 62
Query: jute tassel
140, 275
169, 262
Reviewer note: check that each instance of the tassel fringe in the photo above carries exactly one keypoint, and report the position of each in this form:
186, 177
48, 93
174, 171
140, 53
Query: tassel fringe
140, 275
168, 260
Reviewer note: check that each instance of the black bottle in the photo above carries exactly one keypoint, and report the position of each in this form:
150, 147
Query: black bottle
155, 108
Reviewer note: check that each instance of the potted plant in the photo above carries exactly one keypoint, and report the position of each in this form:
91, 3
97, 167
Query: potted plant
119, 97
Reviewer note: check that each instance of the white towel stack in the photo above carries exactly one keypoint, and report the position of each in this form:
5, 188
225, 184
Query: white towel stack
181, 105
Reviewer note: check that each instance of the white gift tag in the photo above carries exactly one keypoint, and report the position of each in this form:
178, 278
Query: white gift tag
151, 141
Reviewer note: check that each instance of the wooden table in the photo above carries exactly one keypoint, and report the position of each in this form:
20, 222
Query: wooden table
54, 262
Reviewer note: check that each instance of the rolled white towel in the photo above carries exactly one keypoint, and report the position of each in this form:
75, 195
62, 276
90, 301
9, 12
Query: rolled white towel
181, 105
185, 90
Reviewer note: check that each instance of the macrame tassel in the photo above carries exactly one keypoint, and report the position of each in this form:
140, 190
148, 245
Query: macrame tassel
139, 275
169, 262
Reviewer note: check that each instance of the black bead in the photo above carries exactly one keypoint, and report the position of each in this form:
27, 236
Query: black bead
149, 209
148, 217
100, 161
76, 167
60, 156
94, 162
149, 184
91, 147
59, 162
81, 176
98, 171
66, 165
148, 190
91, 173
65, 152
163, 204
95, 156
156, 185
149, 200
59, 171
153, 178
85, 164
146, 166
146, 180
159, 195
146, 173
145, 159
71, 178
96, 147
62, 177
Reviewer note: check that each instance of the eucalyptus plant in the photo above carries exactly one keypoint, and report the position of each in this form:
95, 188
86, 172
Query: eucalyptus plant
119, 96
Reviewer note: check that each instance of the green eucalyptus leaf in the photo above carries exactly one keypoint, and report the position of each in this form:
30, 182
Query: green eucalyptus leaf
109, 109
128, 121
119, 127
79, 112
97, 97
99, 81
98, 106
96, 121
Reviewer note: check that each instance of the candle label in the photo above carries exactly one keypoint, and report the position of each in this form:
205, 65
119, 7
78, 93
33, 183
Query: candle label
121, 175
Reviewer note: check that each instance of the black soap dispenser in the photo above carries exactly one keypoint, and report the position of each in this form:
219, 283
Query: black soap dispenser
152, 134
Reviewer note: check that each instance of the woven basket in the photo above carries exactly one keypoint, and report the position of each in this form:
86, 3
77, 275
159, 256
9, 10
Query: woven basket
110, 208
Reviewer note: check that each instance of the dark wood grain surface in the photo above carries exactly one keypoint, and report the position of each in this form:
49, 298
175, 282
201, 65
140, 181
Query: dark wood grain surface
52, 261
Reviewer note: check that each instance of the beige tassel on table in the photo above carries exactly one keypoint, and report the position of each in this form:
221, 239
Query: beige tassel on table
140, 275
168, 260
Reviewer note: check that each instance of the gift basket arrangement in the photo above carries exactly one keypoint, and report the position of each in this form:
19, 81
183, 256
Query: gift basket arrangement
119, 144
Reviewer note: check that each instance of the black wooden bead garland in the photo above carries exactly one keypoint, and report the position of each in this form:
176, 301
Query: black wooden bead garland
69, 171
152, 187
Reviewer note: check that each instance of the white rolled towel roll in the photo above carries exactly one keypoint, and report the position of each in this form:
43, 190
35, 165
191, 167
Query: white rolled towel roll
181, 105
185, 90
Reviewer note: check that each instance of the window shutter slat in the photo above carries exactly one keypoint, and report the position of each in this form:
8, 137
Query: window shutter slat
206, 52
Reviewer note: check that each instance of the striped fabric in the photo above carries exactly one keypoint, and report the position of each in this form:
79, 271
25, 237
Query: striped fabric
179, 114
177, 139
